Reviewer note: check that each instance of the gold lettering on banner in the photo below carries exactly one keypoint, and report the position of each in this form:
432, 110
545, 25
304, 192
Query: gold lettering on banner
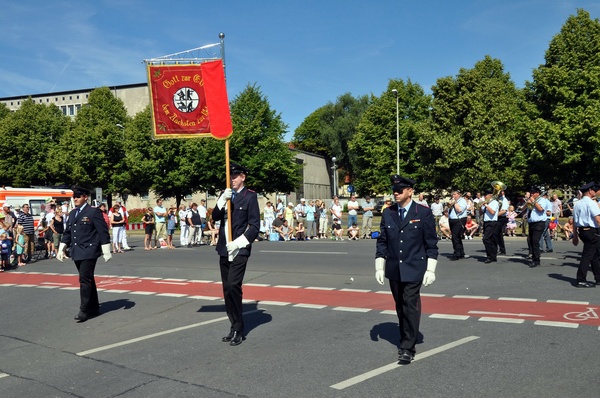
171, 82
186, 78
198, 79
204, 114
165, 108
180, 122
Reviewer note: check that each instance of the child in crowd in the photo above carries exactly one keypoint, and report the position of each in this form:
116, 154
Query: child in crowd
300, 231
353, 232
5, 249
21, 246
470, 228
512, 221
337, 230
149, 225
171, 222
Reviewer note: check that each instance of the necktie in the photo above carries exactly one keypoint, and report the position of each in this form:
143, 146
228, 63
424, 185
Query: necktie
77, 212
233, 196
402, 210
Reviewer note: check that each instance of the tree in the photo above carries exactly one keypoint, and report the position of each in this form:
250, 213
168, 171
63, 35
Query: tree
373, 147
565, 136
92, 153
257, 143
308, 136
4, 111
27, 137
475, 132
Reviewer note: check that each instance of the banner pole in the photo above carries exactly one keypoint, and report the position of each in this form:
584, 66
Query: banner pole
228, 185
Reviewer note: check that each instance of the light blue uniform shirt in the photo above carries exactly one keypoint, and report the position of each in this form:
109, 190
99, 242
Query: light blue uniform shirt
584, 212
462, 203
535, 215
487, 216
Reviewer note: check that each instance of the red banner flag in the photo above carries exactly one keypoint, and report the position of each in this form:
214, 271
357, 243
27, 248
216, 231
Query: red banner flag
189, 101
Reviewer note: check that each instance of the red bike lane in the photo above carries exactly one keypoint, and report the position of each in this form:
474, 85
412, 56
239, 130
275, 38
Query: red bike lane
566, 313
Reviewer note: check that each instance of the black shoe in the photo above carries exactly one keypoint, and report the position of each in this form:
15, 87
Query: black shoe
455, 258
236, 339
533, 265
82, 316
405, 357
502, 253
549, 251
585, 284
227, 338
490, 260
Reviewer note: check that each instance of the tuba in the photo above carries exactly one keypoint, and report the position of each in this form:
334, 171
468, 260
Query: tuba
497, 187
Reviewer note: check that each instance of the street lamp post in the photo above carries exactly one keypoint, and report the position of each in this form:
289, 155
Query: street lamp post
397, 134
333, 168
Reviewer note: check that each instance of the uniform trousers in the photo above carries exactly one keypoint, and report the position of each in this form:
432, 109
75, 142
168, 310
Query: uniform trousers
490, 235
457, 227
87, 286
408, 308
536, 229
500, 227
232, 275
589, 256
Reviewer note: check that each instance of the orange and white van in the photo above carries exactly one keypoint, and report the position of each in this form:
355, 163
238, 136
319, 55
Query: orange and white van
36, 198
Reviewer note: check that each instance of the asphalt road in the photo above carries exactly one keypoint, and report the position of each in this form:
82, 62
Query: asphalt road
317, 325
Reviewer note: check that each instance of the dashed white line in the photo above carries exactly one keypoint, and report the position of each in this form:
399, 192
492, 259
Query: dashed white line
142, 293
278, 303
172, 295
204, 297
355, 290
116, 291
314, 306
4, 375
531, 300
351, 309
557, 324
501, 320
568, 302
288, 286
257, 284
450, 316
320, 288
388, 312
464, 296
430, 295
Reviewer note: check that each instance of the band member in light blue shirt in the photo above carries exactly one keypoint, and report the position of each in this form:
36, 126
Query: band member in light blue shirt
536, 218
457, 215
586, 217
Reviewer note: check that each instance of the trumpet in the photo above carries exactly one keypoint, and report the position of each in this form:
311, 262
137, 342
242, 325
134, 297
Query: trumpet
531, 205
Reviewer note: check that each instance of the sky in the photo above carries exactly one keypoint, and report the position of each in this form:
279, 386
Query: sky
301, 54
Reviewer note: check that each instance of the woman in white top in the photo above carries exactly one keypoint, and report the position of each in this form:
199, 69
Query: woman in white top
185, 228
269, 216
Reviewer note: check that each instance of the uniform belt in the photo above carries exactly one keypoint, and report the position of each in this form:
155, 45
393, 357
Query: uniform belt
585, 228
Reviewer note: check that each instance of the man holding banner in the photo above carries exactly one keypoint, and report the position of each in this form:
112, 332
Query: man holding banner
234, 250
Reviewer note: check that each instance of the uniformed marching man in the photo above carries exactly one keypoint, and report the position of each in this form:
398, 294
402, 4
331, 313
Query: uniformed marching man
457, 216
536, 218
235, 250
490, 210
86, 234
586, 217
503, 205
407, 256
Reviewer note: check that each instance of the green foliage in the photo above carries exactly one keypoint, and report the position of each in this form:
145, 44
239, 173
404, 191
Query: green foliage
565, 137
475, 131
257, 143
27, 136
373, 147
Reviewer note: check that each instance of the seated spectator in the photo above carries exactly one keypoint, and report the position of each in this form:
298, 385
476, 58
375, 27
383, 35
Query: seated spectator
445, 226
353, 232
512, 221
568, 228
552, 227
213, 231
338, 231
285, 233
300, 231
470, 228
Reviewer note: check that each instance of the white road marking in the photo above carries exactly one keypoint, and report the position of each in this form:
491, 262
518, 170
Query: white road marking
315, 306
320, 288
4, 375
143, 293
388, 312
279, 303
558, 324
450, 316
257, 284
531, 300
55, 284
172, 295
501, 320
351, 309
504, 313
430, 295
376, 372
355, 290
153, 335
299, 252
204, 297
568, 302
171, 283
288, 286
464, 296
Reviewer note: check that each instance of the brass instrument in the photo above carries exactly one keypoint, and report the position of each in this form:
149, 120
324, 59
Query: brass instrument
531, 205
497, 186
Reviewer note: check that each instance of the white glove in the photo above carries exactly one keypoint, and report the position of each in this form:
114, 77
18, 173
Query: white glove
106, 252
429, 276
379, 270
60, 255
234, 246
225, 196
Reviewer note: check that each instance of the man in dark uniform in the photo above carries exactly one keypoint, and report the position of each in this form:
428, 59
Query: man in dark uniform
586, 216
86, 233
235, 250
406, 255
